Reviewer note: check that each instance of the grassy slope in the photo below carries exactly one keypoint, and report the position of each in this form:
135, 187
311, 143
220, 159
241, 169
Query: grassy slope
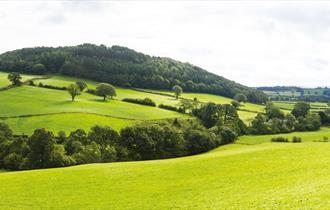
33, 100
306, 136
4, 81
66, 122
262, 176
315, 106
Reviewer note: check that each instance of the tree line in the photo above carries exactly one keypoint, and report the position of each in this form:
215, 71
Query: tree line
145, 141
123, 67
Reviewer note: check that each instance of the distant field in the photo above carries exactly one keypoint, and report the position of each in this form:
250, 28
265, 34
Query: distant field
260, 176
315, 106
5, 82
64, 122
306, 136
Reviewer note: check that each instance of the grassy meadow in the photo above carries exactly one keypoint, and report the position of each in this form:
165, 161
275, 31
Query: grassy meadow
235, 176
5, 82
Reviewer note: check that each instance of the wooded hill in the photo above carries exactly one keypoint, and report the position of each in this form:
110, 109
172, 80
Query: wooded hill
123, 67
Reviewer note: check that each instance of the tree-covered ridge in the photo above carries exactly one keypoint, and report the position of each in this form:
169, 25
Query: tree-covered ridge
124, 67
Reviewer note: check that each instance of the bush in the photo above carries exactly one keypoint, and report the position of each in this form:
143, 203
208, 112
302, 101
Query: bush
146, 101
51, 87
171, 108
279, 139
296, 139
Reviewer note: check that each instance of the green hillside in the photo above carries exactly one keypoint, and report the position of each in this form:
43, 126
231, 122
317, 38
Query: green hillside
123, 67
236, 176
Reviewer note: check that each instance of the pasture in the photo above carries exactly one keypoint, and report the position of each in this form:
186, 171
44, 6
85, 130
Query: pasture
235, 176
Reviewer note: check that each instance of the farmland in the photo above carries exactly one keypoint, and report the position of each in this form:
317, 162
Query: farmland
236, 176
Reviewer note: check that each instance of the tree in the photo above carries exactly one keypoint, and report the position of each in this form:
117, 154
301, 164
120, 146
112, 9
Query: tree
82, 85
73, 90
15, 78
42, 144
301, 109
105, 90
235, 104
177, 91
39, 68
240, 97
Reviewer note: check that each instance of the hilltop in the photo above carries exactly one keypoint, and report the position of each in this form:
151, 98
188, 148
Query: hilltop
123, 67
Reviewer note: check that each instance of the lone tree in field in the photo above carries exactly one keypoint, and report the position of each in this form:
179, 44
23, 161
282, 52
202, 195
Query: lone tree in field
82, 85
105, 90
73, 90
15, 78
240, 97
177, 91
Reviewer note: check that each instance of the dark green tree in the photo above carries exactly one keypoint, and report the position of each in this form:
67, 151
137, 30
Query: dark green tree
15, 78
105, 90
73, 90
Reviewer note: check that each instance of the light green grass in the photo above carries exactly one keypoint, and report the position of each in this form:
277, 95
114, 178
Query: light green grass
306, 136
64, 81
263, 176
5, 82
288, 105
28, 100
64, 122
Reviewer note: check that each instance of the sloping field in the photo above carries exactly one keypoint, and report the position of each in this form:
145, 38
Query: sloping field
261, 176
64, 122
5, 82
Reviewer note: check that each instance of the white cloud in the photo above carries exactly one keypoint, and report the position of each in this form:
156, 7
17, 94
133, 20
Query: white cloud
254, 43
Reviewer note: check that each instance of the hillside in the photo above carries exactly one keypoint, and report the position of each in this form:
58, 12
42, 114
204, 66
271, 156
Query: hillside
57, 113
123, 67
236, 176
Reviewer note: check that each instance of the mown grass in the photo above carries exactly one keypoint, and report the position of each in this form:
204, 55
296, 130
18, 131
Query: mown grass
262, 176
64, 122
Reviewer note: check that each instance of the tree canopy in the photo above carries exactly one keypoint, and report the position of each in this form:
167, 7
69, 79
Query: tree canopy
124, 67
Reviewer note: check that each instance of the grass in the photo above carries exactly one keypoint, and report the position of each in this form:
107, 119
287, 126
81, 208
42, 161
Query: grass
65, 122
306, 136
261, 176
288, 105
5, 82
43, 101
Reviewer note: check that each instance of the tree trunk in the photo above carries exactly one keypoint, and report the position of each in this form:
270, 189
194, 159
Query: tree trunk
104, 98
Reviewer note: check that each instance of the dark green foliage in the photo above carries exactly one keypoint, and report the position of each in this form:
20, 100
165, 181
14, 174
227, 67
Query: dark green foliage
124, 67
146, 142
235, 104
41, 144
240, 97
145, 101
169, 107
200, 140
74, 90
296, 139
82, 85
301, 109
15, 78
279, 139
51, 86
105, 90
177, 91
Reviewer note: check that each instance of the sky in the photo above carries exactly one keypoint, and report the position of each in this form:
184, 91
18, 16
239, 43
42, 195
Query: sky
256, 43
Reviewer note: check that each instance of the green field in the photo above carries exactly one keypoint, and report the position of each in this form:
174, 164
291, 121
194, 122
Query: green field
288, 105
59, 113
236, 176
5, 82
66, 122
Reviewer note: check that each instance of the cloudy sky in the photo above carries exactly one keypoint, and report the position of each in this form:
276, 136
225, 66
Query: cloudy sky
252, 42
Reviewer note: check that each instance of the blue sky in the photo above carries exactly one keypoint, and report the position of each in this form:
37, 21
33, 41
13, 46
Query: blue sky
252, 42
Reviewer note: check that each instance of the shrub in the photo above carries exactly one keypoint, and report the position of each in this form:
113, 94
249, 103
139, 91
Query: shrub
296, 139
171, 108
279, 139
146, 101
51, 87
325, 139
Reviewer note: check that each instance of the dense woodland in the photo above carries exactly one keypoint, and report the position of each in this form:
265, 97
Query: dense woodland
123, 67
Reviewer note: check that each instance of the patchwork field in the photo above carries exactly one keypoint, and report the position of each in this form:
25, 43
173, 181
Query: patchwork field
236, 176
288, 105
